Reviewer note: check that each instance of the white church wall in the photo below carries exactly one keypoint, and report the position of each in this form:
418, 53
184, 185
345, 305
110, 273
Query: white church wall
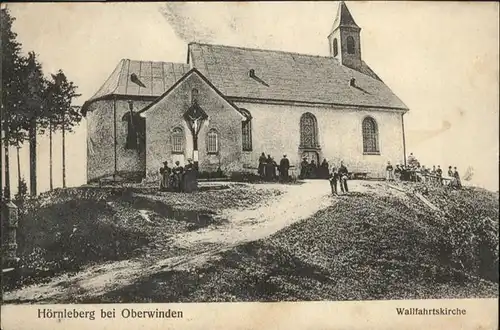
276, 131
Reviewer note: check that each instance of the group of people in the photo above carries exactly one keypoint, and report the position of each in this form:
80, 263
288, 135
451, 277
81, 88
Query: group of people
269, 170
414, 171
312, 170
339, 176
178, 178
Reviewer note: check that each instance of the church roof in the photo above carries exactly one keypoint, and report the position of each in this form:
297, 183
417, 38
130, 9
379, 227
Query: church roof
141, 78
344, 18
283, 76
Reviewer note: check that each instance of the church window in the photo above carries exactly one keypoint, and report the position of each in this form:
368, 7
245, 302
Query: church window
308, 131
350, 45
335, 47
370, 136
246, 130
177, 140
212, 142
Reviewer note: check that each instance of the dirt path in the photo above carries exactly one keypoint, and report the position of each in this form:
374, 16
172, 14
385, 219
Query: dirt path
296, 203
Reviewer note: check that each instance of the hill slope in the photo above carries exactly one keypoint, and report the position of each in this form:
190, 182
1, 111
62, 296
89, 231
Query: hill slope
378, 242
366, 246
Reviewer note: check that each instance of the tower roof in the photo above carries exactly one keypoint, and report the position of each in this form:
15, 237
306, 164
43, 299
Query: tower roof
344, 18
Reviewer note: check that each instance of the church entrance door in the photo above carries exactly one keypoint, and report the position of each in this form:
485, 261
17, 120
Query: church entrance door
311, 155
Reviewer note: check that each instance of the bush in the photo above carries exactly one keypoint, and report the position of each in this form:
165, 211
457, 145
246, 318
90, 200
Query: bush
210, 175
245, 177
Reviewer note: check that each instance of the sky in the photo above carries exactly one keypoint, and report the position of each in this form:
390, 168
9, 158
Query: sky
440, 58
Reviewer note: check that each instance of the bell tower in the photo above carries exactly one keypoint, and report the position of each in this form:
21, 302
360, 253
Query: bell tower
344, 39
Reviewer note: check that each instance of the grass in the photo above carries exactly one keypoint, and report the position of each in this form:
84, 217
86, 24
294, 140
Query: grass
67, 229
365, 247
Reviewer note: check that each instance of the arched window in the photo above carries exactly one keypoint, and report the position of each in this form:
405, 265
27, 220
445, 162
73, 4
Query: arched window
246, 130
370, 136
308, 131
177, 140
350, 45
212, 141
335, 47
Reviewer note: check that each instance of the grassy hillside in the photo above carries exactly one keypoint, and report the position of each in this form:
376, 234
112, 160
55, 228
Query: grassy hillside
67, 229
364, 247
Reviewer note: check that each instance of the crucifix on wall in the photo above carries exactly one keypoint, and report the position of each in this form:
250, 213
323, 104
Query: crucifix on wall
195, 117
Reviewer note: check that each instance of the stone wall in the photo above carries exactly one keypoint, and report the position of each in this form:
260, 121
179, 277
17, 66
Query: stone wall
100, 152
168, 113
100, 141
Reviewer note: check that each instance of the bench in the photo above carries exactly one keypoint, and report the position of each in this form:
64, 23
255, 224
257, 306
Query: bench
358, 175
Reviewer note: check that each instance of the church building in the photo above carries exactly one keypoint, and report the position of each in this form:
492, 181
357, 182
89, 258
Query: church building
227, 105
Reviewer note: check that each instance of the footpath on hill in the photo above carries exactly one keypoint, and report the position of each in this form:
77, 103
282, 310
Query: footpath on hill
297, 202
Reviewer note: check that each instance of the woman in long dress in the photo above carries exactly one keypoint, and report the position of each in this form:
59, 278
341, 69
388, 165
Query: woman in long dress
165, 176
176, 177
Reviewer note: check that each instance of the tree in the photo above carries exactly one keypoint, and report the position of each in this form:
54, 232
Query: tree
60, 93
12, 112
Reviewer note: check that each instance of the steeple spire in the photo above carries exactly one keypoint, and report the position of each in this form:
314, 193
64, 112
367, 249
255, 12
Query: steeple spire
344, 39
344, 18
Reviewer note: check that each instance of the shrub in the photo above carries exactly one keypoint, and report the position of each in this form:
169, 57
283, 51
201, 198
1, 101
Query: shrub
245, 177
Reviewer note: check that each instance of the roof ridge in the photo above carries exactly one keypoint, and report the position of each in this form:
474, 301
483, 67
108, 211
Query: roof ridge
260, 49
149, 61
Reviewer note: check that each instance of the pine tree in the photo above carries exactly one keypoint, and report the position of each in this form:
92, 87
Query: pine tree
59, 96
12, 114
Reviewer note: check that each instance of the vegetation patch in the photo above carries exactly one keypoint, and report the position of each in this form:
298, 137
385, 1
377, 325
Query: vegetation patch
364, 247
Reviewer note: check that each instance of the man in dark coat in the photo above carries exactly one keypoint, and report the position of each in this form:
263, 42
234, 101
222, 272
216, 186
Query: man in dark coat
313, 170
262, 165
304, 166
324, 169
164, 176
190, 182
270, 169
284, 166
343, 174
334, 178
439, 173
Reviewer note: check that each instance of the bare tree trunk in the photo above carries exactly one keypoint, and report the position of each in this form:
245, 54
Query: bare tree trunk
18, 170
7, 165
1, 149
63, 156
50, 157
32, 140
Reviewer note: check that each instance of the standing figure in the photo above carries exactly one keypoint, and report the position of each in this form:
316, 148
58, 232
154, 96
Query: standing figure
450, 172
389, 172
177, 173
324, 169
412, 161
439, 173
284, 166
270, 169
304, 166
189, 181
334, 178
397, 172
313, 170
343, 173
458, 183
262, 165
165, 176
